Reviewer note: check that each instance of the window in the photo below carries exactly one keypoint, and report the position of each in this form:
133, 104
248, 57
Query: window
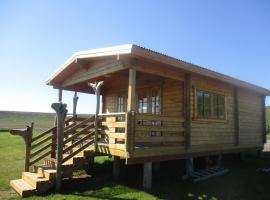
155, 102
149, 101
143, 101
210, 105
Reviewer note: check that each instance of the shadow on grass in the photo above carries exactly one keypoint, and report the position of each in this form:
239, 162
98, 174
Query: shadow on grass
242, 182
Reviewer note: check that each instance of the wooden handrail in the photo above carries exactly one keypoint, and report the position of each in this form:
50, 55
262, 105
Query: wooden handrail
78, 142
78, 133
78, 151
112, 114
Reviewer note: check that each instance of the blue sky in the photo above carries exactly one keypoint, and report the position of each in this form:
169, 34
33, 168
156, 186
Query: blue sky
231, 37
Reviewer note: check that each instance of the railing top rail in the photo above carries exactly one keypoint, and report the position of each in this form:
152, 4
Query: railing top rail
112, 114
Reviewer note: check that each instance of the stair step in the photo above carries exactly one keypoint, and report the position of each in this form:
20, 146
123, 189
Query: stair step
34, 180
47, 172
74, 160
22, 187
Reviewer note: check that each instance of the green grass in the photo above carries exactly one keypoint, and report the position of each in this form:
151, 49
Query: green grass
242, 181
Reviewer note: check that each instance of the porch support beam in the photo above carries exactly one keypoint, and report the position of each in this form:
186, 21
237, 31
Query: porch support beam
131, 109
61, 113
97, 89
75, 101
60, 95
131, 90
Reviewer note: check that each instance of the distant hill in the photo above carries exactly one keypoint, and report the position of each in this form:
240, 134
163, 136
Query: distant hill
13, 119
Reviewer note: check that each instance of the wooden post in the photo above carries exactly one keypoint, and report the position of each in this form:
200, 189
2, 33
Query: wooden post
187, 98
189, 166
28, 143
75, 101
54, 145
60, 94
61, 112
264, 139
147, 175
97, 89
131, 90
131, 111
236, 117
116, 167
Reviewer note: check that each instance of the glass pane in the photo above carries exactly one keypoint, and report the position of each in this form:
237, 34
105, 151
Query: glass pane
143, 104
215, 106
221, 107
199, 104
155, 102
207, 105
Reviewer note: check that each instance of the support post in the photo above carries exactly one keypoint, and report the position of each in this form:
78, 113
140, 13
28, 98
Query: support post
60, 94
264, 139
187, 109
131, 110
116, 167
75, 101
147, 175
189, 166
61, 113
26, 134
97, 89
28, 143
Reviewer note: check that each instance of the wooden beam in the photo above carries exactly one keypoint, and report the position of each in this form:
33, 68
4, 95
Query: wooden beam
60, 95
131, 90
94, 71
160, 70
264, 139
61, 112
236, 116
187, 109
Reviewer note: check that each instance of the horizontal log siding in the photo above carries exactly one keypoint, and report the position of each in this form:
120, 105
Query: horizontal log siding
250, 119
212, 135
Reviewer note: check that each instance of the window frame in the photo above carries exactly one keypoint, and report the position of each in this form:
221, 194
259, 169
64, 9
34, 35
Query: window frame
148, 93
211, 118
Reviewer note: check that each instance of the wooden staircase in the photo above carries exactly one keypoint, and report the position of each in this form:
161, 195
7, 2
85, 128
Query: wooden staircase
77, 151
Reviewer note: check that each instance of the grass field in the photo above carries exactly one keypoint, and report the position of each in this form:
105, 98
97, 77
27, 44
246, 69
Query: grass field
10, 120
241, 183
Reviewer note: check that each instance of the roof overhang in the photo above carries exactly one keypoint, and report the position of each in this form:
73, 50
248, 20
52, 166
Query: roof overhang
135, 51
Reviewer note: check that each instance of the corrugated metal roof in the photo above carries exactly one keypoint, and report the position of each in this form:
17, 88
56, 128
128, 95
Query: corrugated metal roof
139, 51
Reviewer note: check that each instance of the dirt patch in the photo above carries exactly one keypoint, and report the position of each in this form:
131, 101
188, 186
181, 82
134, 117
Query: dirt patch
7, 193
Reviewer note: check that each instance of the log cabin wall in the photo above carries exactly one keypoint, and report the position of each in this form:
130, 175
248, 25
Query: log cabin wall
208, 134
250, 119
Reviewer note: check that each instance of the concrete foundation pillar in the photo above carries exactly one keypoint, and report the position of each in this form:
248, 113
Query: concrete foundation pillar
219, 160
156, 166
116, 167
189, 166
147, 176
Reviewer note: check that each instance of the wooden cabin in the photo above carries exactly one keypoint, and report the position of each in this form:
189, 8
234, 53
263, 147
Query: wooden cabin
154, 108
